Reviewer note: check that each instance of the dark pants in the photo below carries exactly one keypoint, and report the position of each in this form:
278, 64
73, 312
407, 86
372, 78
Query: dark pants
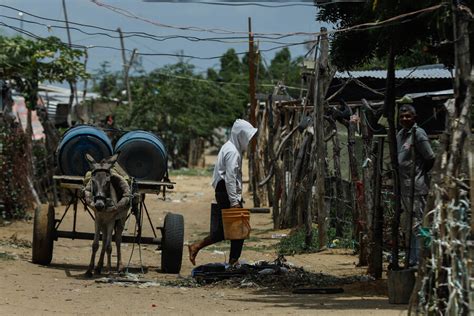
223, 202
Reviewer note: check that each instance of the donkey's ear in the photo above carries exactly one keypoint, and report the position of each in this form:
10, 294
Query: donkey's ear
90, 159
113, 159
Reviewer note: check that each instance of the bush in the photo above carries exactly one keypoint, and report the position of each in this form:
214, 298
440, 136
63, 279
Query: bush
295, 243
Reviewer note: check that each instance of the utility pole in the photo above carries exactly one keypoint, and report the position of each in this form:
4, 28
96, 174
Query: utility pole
126, 66
72, 84
20, 14
67, 23
253, 120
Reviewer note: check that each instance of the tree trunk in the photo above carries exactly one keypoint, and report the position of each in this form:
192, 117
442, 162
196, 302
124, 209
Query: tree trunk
196, 153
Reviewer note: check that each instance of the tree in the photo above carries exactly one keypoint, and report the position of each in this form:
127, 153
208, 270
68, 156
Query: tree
27, 63
30, 62
105, 82
181, 107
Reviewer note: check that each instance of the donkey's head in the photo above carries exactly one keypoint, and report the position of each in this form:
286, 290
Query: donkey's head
100, 180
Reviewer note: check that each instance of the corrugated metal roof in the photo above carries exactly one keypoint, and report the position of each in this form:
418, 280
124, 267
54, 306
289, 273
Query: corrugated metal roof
449, 92
415, 73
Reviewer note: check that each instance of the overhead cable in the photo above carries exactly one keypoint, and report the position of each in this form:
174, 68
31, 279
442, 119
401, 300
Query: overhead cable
242, 4
225, 40
359, 27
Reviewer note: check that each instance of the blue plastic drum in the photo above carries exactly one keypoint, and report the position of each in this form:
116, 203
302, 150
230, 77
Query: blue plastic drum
76, 143
143, 155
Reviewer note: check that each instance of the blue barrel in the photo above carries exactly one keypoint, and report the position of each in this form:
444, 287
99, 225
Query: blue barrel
76, 143
142, 155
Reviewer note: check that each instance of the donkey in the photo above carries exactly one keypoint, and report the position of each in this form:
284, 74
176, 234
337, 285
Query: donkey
108, 194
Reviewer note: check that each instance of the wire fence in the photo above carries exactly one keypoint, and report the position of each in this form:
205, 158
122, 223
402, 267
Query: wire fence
445, 282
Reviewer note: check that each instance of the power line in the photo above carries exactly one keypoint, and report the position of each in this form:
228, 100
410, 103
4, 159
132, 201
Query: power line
358, 27
149, 53
132, 33
232, 4
154, 37
132, 15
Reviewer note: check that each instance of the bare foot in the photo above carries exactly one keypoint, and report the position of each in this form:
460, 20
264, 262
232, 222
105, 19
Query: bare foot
192, 254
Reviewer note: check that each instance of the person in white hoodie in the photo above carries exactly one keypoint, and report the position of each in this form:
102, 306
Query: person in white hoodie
227, 182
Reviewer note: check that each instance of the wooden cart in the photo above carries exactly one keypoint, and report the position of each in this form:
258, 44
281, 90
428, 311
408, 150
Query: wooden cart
47, 228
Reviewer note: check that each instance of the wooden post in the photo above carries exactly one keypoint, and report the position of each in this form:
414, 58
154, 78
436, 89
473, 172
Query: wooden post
367, 176
470, 243
392, 139
338, 191
252, 116
126, 66
322, 77
353, 167
86, 54
72, 84
377, 233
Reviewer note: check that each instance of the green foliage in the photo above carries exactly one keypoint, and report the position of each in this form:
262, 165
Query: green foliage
295, 243
13, 183
30, 62
181, 106
423, 39
105, 82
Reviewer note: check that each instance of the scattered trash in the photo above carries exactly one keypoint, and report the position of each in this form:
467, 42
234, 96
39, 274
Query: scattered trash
15, 242
277, 275
8, 256
128, 279
267, 271
246, 283
278, 236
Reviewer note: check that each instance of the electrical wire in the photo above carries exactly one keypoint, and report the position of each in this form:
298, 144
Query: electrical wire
241, 4
114, 35
148, 53
358, 27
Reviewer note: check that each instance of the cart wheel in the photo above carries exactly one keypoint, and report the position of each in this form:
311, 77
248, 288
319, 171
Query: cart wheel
43, 228
172, 243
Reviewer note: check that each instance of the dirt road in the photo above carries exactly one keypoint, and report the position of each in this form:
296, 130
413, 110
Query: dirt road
62, 289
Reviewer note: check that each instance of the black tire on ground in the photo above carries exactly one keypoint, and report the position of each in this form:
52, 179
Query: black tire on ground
43, 235
172, 243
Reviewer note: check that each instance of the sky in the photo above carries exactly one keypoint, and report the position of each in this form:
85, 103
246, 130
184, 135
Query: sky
299, 17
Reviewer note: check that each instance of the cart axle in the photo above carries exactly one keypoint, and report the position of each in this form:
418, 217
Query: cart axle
125, 239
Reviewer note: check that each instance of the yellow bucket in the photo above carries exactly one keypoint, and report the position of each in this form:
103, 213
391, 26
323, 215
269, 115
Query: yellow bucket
236, 223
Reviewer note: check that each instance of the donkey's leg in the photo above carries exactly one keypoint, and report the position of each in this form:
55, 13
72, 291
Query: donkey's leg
119, 226
108, 246
100, 264
95, 246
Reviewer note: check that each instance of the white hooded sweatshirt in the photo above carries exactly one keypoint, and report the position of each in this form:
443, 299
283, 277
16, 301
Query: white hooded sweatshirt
229, 160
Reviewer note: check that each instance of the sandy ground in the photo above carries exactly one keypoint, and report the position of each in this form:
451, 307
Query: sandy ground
61, 288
